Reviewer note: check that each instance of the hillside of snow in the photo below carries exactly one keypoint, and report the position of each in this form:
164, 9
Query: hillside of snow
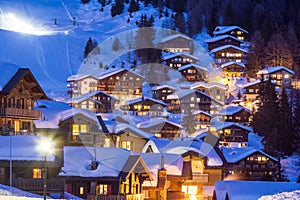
49, 36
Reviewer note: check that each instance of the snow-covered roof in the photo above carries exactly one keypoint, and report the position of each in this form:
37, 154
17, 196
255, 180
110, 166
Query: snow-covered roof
191, 65
202, 148
227, 47
208, 85
224, 29
123, 127
25, 148
232, 63
87, 96
12, 193
158, 87
252, 83
282, 195
7, 71
77, 161
270, 70
196, 112
171, 37
223, 125
236, 190
140, 99
155, 122
234, 155
231, 110
54, 111
172, 55
116, 71
156, 144
78, 77
221, 37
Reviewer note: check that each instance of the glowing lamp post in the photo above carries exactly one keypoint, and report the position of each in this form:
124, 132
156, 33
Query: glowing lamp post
46, 147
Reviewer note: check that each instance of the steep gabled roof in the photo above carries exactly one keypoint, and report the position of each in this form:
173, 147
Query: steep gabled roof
224, 29
231, 110
171, 37
140, 99
228, 124
167, 57
232, 63
221, 37
153, 122
227, 47
158, 87
271, 70
191, 65
208, 85
116, 71
78, 77
89, 95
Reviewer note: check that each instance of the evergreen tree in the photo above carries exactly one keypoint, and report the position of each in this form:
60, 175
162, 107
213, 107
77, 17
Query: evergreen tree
90, 45
284, 139
266, 115
294, 48
256, 54
296, 121
116, 44
228, 16
257, 17
117, 8
133, 7
85, 1
213, 19
180, 23
277, 52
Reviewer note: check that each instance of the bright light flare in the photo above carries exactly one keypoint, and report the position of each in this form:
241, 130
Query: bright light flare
18, 24
46, 146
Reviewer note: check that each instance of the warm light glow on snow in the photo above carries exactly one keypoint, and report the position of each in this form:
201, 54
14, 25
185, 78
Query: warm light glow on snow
13, 23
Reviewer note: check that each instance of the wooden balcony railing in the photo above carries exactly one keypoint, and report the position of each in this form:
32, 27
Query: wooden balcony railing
20, 113
199, 177
116, 197
37, 185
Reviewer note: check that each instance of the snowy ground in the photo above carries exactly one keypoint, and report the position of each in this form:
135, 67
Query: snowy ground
295, 195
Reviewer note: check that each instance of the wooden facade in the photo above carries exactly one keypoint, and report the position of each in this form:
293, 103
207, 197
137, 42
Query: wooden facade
233, 69
178, 60
17, 103
229, 53
81, 84
215, 90
122, 84
202, 119
234, 31
161, 92
236, 114
222, 40
97, 102
193, 73
143, 106
176, 43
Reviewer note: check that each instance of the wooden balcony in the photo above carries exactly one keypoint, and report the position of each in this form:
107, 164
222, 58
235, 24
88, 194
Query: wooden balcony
117, 197
37, 185
20, 113
199, 177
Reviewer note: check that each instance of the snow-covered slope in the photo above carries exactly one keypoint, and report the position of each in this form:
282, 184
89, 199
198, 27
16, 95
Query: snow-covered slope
59, 30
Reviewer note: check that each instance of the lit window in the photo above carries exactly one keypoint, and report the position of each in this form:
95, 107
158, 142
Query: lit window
198, 100
286, 76
126, 145
189, 189
164, 91
239, 32
192, 98
158, 135
36, 173
75, 132
102, 189
81, 190
117, 78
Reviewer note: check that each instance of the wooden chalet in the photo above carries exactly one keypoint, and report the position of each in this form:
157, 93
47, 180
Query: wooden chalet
233, 69
234, 31
251, 90
232, 134
30, 165
104, 173
68, 126
227, 53
193, 72
80, 84
281, 75
161, 128
176, 43
204, 168
184, 101
222, 40
236, 114
213, 89
18, 91
96, 101
202, 119
248, 163
177, 60
161, 92
123, 84
143, 106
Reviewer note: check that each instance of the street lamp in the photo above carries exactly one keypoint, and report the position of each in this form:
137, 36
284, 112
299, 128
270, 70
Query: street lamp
46, 147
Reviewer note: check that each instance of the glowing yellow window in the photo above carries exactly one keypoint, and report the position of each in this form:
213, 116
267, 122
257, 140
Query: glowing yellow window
75, 132
36, 173
83, 128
